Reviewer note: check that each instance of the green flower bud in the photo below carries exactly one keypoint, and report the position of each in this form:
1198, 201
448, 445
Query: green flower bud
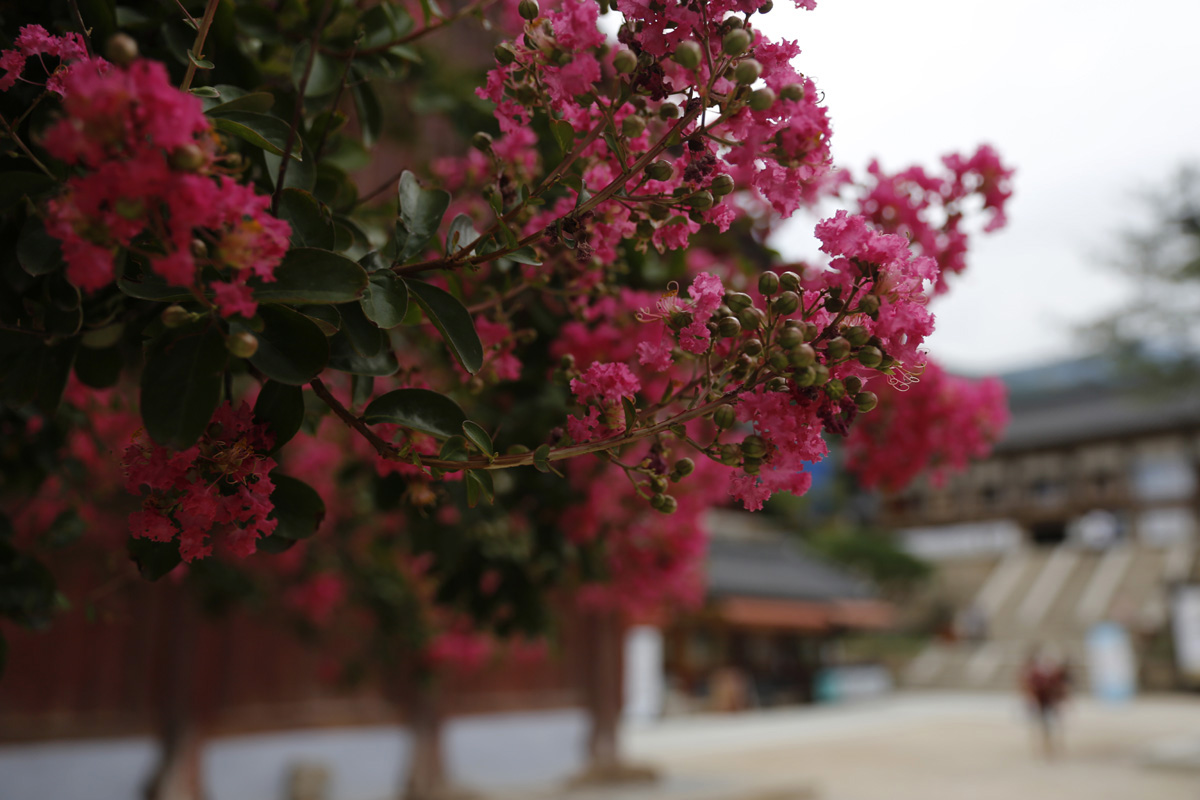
868, 304
751, 466
747, 71
810, 331
866, 401
664, 503
786, 303
684, 467
753, 446
242, 344
721, 185
482, 142
187, 158
870, 357
528, 9
837, 348
790, 281
766, 7
624, 61
790, 338
762, 99
176, 316
505, 54
121, 49
793, 91
752, 347
700, 200
752, 318
805, 376
736, 42
688, 54
857, 335
659, 484
659, 170
768, 283
633, 125
853, 384
802, 355
658, 212
668, 110
731, 455
778, 360
835, 389
729, 327
724, 417
777, 384
887, 362
821, 374
737, 301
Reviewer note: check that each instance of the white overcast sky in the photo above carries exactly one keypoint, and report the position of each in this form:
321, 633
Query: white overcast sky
1092, 102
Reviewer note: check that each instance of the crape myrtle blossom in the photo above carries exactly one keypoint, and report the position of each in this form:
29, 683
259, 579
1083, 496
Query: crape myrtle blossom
35, 42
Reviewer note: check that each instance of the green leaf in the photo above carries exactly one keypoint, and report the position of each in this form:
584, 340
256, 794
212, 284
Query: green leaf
454, 449
386, 300
326, 318
564, 134
368, 108
382, 24
311, 227
291, 348
99, 369
281, 408
299, 175
204, 91
461, 234
32, 371
630, 413
311, 275
181, 383
541, 458
236, 99
325, 75
154, 559
479, 437
452, 320
418, 409
366, 339
479, 487
344, 358
15, 185
361, 389
38, 252
298, 507
421, 212
524, 255
149, 286
260, 130
200, 63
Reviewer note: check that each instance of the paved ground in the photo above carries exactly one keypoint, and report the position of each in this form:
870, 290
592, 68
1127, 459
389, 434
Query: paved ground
923, 747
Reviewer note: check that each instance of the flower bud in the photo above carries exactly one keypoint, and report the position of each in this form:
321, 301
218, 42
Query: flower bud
688, 54
790, 281
751, 466
724, 417
683, 467
837, 348
505, 54
482, 142
869, 305
821, 374
567, 361
176, 316
747, 71
833, 304
793, 91
664, 503
658, 212
700, 200
853, 384
805, 376
790, 338
866, 401
659, 484
729, 327
753, 446
187, 158
668, 110
810, 331
752, 347
786, 303
199, 248
768, 283
737, 301
778, 360
777, 384
762, 99
242, 344
660, 170
857, 335
528, 9
736, 41
752, 318
835, 389
741, 369
624, 61
632, 126
802, 355
766, 7
721, 185
121, 49
731, 455
870, 357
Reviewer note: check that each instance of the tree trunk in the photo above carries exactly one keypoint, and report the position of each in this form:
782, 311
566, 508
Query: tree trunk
427, 771
177, 774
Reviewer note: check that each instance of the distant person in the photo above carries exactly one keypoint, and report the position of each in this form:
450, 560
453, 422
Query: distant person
1045, 682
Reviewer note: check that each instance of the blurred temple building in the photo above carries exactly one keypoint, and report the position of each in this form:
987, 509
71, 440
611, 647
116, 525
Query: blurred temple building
1086, 513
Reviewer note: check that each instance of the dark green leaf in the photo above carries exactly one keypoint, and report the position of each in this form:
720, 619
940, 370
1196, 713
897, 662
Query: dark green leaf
154, 559
421, 212
541, 458
298, 507
452, 320
33, 371
15, 185
99, 369
454, 449
261, 130
326, 318
361, 388
291, 348
369, 109
344, 358
181, 383
479, 487
382, 24
386, 299
201, 63
300, 174
461, 234
281, 408
311, 227
38, 252
419, 409
630, 413
564, 134
365, 337
311, 275
479, 437
524, 255
323, 78
204, 91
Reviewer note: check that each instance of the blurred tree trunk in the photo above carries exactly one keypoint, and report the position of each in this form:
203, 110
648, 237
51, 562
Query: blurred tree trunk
177, 774
425, 715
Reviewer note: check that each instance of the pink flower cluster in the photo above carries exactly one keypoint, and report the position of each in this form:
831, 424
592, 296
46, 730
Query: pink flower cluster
145, 150
705, 297
938, 423
605, 384
34, 41
317, 597
217, 490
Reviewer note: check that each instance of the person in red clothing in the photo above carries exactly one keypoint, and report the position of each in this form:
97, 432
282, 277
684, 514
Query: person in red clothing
1045, 682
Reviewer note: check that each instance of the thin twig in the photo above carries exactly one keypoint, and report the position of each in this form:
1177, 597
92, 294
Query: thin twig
298, 111
13, 135
210, 11
83, 31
